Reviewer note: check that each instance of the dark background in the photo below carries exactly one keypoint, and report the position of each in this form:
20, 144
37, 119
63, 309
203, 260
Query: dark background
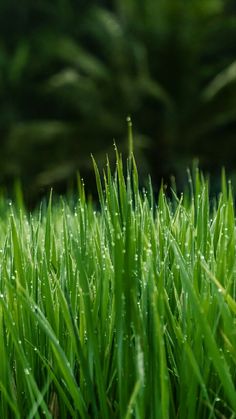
72, 70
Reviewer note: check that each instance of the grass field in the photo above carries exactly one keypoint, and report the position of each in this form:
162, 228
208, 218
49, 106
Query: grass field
128, 311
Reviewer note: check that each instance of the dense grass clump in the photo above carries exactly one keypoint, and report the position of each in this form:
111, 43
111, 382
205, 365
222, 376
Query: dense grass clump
128, 311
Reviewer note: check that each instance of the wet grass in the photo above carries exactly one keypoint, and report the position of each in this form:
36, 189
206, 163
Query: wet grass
124, 312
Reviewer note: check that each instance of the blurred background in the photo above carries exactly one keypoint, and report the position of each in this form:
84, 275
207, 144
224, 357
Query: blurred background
72, 70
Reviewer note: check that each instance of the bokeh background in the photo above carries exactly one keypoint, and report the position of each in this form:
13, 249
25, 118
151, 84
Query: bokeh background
72, 70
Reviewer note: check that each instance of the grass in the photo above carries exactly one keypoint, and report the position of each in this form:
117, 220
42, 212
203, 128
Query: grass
128, 311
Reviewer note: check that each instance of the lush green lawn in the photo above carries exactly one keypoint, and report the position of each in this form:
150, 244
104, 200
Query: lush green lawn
124, 312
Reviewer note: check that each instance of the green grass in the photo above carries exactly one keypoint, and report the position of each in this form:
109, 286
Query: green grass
128, 311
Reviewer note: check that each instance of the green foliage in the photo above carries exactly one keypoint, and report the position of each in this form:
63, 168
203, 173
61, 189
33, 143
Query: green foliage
126, 311
72, 71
